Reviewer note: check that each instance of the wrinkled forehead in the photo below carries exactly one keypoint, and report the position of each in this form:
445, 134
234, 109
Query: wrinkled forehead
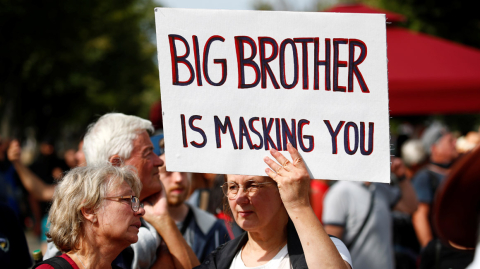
117, 186
243, 178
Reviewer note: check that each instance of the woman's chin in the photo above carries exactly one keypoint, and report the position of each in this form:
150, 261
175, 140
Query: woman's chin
132, 239
247, 225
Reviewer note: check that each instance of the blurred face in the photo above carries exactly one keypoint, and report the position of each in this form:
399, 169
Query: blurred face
147, 163
177, 185
80, 156
46, 149
444, 151
69, 157
117, 223
262, 210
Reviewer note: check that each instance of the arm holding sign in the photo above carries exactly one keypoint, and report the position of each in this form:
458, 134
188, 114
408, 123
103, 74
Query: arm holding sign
293, 183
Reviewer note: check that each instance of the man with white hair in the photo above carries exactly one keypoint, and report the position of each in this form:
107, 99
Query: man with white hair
123, 139
440, 145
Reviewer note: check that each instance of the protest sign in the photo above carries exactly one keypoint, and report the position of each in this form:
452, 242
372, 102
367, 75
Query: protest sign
236, 83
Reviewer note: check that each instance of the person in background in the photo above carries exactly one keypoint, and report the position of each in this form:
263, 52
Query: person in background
282, 230
414, 156
405, 241
70, 159
13, 244
124, 140
457, 214
11, 192
48, 168
40, 190
79, 155
440, 146
468, 142
202, 230
32, 182
360, 214
95, 215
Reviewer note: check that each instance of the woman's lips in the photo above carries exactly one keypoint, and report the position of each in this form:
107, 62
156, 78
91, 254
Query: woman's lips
245, 213
137, 225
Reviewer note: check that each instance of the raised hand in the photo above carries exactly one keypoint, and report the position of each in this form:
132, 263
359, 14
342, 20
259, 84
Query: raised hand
292, 178
14, 151
156, 206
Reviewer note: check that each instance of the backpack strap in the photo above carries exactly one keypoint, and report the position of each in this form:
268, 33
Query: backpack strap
354, 240
57, 263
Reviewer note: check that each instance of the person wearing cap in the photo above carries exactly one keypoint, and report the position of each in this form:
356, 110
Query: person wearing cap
440, 145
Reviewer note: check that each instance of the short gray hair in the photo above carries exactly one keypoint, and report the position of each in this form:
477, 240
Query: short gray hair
432, 135
84, 187
413, 152
113, 134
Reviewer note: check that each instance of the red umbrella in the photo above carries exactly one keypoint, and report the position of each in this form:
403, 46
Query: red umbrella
427, 75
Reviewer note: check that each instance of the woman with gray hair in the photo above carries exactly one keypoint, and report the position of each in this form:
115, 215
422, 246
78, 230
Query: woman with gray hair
94, 216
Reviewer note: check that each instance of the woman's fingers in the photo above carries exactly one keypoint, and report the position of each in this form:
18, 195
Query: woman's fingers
278, 156
292, 177
283, 165
270, 173
273, 165
297, 159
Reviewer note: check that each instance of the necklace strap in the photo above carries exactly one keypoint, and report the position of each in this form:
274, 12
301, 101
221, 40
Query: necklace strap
84, 267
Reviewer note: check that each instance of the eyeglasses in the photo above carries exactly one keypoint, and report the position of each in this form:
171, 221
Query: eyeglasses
134, 201
230, 189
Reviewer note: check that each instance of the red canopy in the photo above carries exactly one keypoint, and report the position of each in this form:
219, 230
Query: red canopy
427, 75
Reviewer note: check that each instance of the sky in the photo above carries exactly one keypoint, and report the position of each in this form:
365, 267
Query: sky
293, 5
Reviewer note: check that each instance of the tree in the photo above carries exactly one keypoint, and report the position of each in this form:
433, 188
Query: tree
63, 63
454, 20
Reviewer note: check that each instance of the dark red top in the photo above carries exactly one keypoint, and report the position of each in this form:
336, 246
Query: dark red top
66, 257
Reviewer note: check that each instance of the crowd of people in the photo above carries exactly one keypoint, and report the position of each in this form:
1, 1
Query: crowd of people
113, 203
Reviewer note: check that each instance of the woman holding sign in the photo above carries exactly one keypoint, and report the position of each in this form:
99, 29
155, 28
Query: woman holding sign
282, 230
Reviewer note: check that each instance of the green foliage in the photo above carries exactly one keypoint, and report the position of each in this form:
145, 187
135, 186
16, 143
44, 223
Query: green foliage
454, 20
67, 62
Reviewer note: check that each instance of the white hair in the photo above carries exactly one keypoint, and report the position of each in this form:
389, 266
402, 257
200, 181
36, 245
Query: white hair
113, 134
413, 152
84, 187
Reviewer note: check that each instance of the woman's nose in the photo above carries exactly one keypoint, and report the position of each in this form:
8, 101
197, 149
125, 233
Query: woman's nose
242, 195
140, 212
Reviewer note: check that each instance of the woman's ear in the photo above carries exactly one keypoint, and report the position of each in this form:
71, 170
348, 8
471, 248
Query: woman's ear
115, 160
89, 214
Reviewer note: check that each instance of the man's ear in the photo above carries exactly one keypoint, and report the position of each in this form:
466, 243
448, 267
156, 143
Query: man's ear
89, 214
116, 160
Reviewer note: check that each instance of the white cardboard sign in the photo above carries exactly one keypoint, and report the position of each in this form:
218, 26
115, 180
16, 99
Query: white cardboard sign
236, 83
